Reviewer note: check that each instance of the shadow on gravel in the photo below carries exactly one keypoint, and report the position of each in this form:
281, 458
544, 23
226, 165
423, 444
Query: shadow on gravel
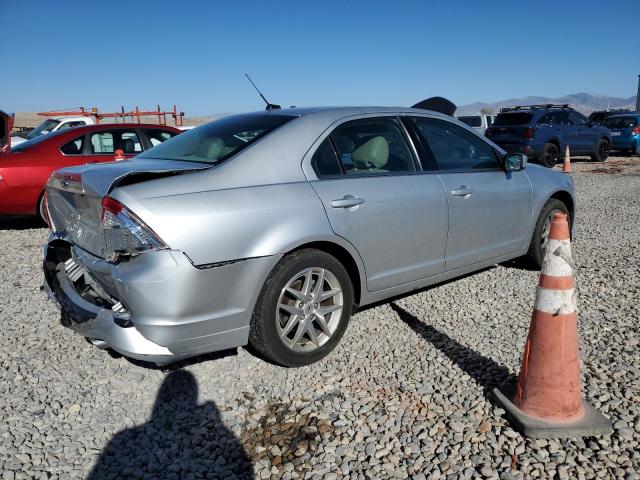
485, 371
180, 364
181, 440
21, 223
520, 264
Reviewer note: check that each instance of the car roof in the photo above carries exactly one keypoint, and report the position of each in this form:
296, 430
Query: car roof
330, 114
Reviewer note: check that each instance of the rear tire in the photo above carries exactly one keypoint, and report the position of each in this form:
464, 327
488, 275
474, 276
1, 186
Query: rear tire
289, 325
601, 153
550, 155
541, 232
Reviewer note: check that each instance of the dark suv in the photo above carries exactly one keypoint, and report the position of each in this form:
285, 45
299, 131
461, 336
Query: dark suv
543, 131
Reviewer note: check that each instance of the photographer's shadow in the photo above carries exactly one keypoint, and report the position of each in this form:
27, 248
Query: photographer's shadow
181, 440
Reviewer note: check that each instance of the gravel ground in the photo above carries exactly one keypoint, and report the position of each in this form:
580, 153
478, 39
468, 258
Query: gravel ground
405, 394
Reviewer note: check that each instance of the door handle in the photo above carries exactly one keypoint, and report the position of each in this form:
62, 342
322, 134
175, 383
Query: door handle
348, 201
462, 191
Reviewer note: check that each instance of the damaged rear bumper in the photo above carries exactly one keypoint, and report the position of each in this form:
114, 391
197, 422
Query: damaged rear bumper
156, 307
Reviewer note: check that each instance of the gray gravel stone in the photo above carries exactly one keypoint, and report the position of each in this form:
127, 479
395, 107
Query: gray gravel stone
402, 395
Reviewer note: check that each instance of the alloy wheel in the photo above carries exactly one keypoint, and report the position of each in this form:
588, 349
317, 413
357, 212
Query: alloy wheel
309, 309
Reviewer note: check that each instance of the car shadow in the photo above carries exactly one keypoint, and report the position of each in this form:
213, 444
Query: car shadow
521, 263
170, 367
182, 439
21, 223
485, 371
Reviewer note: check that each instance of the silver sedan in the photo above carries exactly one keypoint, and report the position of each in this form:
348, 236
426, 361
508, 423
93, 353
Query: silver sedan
271, 228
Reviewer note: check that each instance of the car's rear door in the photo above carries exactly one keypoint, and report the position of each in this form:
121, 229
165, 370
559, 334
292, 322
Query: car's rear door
377, 198
102, 144
489, 209
566, 132
586, 135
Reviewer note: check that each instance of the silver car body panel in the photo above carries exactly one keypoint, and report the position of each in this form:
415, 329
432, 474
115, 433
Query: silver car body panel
228, 225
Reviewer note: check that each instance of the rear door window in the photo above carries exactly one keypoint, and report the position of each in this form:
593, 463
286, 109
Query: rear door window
108, 142
325, 161
562, 118
74, 147
373, 146
157, 136
546, 119
454, 148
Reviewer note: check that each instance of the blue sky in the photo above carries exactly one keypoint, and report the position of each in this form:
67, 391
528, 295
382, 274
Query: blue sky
194, 53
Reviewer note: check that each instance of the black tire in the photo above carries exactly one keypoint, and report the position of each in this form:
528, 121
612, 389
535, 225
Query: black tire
601, 153
550, 155
536, 253
263, 333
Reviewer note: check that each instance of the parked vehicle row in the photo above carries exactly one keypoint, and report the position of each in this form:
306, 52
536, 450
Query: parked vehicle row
25, 169
542, 132
271, 228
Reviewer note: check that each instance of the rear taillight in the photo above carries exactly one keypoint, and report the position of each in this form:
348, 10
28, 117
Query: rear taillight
635, 131
529, 132
123, 233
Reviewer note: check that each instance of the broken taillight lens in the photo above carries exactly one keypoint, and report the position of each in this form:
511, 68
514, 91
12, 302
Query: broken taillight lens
123, 233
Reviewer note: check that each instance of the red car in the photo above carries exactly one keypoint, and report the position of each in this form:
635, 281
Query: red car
26, 167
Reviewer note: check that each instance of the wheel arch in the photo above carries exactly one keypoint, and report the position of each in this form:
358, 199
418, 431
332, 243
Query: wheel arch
354, 267
566, 198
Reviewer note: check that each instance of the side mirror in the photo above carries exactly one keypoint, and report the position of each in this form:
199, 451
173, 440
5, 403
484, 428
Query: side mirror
514, 162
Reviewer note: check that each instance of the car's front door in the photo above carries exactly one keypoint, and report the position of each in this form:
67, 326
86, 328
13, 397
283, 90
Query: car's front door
102, 144
489, 209
377, 198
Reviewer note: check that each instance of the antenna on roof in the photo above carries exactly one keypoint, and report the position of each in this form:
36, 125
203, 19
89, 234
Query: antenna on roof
270, 106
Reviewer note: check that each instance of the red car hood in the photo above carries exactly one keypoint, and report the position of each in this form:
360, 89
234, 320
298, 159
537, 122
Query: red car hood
6, 123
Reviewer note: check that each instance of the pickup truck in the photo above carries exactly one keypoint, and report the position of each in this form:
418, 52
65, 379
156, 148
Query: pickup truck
53, 124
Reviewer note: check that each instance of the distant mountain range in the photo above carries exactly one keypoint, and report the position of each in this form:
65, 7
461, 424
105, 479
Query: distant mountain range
583, 102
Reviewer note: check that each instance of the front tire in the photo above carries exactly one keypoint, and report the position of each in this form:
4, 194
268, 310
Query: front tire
303, 309
541, 232
601, 153
550, 155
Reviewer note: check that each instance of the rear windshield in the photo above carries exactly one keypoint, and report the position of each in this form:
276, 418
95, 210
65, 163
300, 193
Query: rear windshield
620, 122
35, 141
472, 120
216, 141
518, 118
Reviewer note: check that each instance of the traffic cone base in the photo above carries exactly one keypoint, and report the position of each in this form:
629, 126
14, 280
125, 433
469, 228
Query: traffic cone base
590, 423
547, 400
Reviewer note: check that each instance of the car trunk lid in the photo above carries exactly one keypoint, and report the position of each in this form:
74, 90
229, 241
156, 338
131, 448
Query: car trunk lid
74, 194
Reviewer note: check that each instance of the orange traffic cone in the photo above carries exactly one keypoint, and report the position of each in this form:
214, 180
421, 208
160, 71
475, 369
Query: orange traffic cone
119, 155
547, 402
566, 165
